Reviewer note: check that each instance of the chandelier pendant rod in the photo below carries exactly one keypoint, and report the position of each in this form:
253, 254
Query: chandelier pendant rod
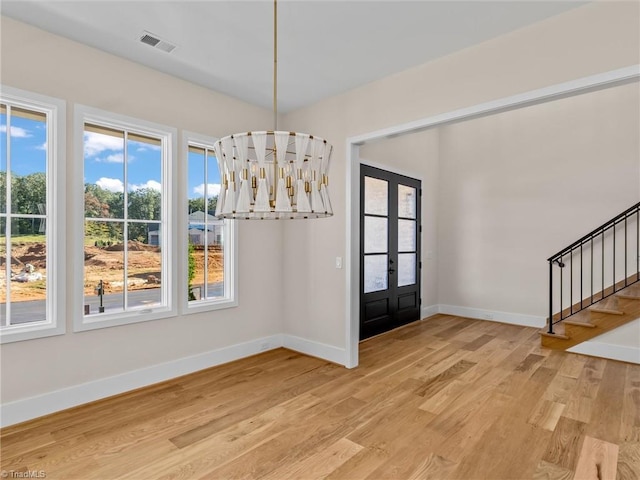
275, 65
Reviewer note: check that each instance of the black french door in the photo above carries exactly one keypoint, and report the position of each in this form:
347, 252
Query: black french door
389, 250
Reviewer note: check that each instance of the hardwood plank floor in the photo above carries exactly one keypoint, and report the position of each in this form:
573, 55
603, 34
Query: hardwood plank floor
444, 398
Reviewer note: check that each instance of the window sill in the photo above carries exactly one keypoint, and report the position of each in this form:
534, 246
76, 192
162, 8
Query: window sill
19, 333
209, 305
98, 321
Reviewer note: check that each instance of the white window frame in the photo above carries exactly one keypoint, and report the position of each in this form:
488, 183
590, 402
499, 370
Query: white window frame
55, 109
82, 115
230, 298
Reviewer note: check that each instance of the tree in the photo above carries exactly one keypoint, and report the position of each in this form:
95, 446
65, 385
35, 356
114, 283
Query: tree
28, 196
144, 204
102, 203
93, 206
197, 205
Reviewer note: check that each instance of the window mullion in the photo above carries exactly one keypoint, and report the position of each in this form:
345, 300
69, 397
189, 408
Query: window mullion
125, 230
206, 223
8, 222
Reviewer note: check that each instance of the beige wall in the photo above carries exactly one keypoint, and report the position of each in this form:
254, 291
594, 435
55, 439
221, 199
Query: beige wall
592, 39
517, 187
36, 61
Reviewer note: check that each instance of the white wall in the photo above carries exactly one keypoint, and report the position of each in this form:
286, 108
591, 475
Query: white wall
37, 61
595, 38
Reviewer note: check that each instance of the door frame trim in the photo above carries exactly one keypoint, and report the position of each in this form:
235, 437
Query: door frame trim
551, 93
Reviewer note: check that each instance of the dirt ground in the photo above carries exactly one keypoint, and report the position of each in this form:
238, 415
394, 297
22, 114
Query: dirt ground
106, 264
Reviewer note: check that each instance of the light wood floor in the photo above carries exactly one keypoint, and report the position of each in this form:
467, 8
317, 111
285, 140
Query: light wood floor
442, 398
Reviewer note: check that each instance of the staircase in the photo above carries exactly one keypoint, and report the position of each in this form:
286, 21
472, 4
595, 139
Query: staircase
594, 283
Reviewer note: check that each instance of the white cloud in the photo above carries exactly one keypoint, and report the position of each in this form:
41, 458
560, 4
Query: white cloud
143, 147
42, 147
113, 158
213, 189
111, 184
151, 184
16, 132
95, 143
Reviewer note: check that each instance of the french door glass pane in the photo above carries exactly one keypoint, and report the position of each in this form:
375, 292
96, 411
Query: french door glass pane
406, 235
376, 193
375, 235
406, 201
375, 273
406, 269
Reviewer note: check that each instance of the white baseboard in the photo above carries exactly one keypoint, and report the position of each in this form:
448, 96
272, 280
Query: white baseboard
315, 349
607, 350
502, 317
429, 311
37, 406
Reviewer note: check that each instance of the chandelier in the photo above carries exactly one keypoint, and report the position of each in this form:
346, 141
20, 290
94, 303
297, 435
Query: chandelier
273, 174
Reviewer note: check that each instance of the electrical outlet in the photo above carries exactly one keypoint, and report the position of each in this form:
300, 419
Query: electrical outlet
338, 262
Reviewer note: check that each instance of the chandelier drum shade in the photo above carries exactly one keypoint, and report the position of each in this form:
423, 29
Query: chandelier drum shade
273, 175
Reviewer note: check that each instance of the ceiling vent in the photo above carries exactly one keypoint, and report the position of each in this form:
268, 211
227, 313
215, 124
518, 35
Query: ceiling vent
154, 41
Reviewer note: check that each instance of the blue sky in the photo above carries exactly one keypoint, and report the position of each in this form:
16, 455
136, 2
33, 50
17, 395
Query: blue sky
104, 159
104, 163
104, 166
28, 139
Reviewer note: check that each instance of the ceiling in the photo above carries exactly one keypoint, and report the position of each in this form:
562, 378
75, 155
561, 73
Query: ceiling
324, 47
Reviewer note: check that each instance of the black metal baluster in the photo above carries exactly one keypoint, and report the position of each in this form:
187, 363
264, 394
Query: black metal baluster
570, 282
602, 284
550, 296
592, 270
581, 277
625, 251
614, 256
561, 299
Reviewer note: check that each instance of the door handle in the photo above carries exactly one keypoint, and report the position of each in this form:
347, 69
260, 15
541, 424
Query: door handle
392, 270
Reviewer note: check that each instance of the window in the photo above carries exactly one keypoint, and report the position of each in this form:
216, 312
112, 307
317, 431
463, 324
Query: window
126, 219
210, 242
31, 215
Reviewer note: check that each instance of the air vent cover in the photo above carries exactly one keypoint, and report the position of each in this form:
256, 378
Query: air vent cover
152, 40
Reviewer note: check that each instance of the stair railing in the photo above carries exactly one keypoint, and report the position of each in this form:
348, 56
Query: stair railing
616, 243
